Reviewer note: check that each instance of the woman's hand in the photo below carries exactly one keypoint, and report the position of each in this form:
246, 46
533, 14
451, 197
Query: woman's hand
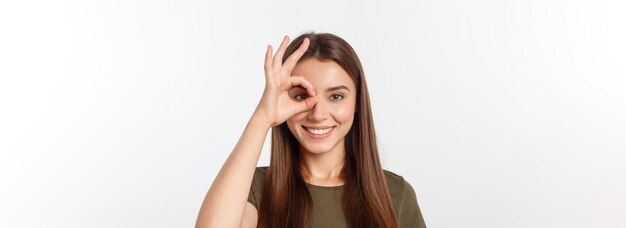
276, 106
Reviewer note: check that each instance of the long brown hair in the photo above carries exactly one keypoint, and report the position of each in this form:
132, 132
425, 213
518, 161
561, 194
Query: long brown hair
286, 200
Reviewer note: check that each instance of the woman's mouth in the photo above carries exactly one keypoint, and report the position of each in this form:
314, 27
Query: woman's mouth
318, 132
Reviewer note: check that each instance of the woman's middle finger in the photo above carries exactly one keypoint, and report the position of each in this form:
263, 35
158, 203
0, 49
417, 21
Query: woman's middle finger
278, 58
291, 61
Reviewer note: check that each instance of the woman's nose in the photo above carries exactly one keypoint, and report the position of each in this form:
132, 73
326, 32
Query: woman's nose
318, 112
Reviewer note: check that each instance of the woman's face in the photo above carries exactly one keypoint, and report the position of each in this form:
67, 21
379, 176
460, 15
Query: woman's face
323, 127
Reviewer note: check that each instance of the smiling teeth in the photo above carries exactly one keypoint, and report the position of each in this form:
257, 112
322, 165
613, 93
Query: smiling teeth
319, 132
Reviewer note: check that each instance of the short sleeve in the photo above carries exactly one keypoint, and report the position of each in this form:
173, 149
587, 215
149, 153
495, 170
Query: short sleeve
410, 214
254, 197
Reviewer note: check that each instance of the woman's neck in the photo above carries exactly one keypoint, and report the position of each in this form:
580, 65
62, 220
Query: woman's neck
323, 169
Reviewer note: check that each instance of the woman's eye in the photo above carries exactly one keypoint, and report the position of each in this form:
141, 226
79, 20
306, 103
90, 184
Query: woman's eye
336, 96
304, 97
299, 97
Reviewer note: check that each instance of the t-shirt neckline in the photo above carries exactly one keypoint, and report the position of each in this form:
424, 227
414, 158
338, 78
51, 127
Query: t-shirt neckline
318, 187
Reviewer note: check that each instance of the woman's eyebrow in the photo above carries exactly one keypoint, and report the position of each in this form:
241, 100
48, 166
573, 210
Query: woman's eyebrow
337, 88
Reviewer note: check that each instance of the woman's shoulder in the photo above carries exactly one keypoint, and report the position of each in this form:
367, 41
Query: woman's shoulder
259, 176
404, 201
261, 169
394, 180
256, 189
398, 187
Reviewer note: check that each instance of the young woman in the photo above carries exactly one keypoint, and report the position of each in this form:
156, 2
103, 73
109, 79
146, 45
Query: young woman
324, 168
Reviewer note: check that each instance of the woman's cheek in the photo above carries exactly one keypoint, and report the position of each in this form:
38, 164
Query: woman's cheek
344, 112
298, 117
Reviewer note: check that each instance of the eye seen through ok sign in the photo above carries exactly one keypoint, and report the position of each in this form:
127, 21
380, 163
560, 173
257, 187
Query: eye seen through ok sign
276, 104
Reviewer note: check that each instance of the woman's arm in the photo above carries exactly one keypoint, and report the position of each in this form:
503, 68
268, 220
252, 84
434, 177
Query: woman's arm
225, 204
226, 200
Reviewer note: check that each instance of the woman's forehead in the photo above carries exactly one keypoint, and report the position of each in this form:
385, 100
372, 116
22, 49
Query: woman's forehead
324, 74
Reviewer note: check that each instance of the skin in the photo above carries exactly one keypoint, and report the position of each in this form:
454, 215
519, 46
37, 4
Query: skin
225, 204
323, 159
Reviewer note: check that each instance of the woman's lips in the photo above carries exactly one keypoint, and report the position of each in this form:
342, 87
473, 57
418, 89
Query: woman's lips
322, 136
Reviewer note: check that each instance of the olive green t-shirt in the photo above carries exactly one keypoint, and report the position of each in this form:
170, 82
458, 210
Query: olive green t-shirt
327, 206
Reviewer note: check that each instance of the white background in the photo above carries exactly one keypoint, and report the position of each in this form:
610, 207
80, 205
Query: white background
500, 113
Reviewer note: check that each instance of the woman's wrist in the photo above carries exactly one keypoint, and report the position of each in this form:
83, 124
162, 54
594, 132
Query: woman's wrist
255, 120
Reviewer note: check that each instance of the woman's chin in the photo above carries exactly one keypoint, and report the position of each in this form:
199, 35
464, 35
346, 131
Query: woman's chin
316, 149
